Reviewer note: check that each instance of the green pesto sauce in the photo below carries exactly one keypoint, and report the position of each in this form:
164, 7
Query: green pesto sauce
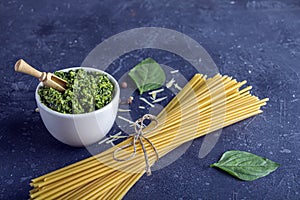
86, 92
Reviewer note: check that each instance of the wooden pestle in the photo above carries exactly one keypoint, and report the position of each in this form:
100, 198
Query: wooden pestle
48, 79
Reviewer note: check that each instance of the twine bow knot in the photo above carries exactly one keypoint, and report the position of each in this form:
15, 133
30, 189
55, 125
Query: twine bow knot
139, 127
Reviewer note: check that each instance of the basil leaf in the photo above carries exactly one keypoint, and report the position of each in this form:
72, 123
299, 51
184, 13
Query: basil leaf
148, 75
245, 166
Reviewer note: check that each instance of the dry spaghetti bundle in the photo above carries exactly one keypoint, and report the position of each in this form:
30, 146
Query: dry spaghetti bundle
202, 106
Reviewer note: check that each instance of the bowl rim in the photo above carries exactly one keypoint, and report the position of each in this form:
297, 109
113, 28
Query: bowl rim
67, 115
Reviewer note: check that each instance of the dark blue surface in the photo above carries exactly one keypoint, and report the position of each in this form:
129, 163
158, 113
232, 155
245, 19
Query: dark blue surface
254, 40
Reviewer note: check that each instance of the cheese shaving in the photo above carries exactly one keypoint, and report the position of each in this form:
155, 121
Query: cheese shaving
147, 102
115, 138
156, 91
111, 142
111, 138
117, 134
177, 86
174, 71
142, 107
123, 110
170, 83
153, 96
159, 100
102, 141
127, 120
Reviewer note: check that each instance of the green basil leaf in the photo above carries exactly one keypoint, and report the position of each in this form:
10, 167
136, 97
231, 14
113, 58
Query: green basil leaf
245, 166
148, 75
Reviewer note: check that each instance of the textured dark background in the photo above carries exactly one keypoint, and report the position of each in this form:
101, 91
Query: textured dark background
254, 40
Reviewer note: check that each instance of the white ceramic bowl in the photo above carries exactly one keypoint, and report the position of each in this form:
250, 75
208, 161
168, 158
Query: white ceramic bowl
80, 129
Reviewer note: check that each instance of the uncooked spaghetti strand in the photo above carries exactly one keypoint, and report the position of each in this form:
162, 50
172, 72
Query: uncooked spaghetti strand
173, 121
95, 163
135, 181
205, 89
167, 148
78, 181
182, 133
81, 189
119, 177
127, 162
40, 178
78, 164
198, 78
207, 97
237, 120
190, 129
193, 106
164, 154
187, 137
68, 195
199, 86
106, 194
182, 140
124, 189
49, 180
203, 123
201, 111
161, 140
114, 193
97, 191
216, 105
68, 187
72, 173
204, 108
174, 146
78, 169
91, 187
70, 182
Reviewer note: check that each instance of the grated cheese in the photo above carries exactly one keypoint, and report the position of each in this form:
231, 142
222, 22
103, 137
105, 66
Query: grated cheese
174, 71
142, 107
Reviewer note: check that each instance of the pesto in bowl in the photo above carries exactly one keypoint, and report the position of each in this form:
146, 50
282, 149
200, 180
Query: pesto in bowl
86, 91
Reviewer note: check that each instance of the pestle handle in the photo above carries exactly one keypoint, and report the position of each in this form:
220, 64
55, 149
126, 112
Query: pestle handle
22, 66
